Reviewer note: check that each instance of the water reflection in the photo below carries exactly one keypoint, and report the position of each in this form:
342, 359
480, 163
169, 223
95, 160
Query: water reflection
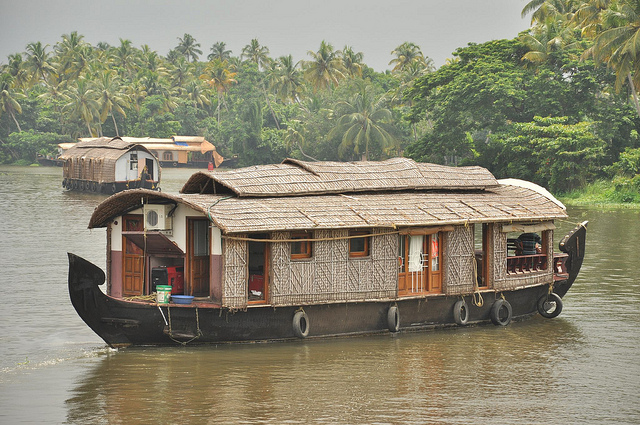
582, 367
432, 377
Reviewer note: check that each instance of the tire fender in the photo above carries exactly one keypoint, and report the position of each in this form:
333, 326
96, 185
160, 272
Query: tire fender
393, 318
461, 312
501, 312
300, 324
546, 301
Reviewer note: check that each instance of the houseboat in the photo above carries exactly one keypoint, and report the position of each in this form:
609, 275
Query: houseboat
176, 151
109, 165
318, 249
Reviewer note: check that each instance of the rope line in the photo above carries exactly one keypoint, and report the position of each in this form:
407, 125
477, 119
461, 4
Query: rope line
238, 238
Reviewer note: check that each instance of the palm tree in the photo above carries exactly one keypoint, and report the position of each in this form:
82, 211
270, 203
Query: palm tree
151, 61
543, 39
55, 95
124, 56
8, 99
83, 103
326, 68
219, 51
111, 97
286, 79
219, 76
406, 54
362, 123
195, 94
73, 54
617, 43
38, 62
180, 74
16, 69
189, 48
352, 61
254, 52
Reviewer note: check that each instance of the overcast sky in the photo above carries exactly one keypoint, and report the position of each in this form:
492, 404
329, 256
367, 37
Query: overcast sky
285, 26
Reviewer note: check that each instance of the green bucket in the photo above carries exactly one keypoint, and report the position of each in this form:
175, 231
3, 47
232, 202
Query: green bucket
163, 293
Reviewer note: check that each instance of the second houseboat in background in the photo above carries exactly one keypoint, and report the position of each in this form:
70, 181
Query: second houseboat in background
109, 165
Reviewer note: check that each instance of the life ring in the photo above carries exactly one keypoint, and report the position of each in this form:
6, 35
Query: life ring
94, 186
393, 318
300, 324
113, 188
501, 312
550, 305
461, 312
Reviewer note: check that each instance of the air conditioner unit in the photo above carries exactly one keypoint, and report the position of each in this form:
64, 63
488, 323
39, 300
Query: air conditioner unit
156, 217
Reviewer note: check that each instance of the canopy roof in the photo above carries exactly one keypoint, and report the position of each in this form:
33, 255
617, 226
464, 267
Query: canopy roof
105, 148
232, 214
294, 177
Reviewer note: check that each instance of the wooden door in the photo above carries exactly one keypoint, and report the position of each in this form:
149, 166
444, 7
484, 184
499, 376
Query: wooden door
435, 262
197, 282
412, 276
132, 258
258, 267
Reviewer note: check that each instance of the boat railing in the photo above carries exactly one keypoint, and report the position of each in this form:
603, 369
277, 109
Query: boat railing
519, 264
560, 271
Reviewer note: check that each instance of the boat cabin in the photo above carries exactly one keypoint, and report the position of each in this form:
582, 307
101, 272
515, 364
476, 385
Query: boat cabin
109, 165
302, 233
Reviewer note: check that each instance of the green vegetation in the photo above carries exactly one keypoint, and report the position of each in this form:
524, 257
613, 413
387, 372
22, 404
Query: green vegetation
556, 105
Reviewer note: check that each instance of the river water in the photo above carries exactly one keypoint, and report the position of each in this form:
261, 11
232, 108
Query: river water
582, 367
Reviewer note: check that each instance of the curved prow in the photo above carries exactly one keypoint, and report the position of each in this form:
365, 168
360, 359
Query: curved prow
573, 244
85, 295
83, 274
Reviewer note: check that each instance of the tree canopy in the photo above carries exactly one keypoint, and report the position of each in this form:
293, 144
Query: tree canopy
556, 104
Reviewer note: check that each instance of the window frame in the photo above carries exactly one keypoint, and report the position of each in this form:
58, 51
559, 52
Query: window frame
353, 235
307, 250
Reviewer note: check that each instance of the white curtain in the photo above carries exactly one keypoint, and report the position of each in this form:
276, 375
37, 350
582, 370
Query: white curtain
415, 253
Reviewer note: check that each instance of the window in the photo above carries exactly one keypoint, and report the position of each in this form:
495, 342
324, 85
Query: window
301, 248
133, 158
167, 156
358, 243
527, 252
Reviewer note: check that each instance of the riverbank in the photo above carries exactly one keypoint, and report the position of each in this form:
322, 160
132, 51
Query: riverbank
603, 194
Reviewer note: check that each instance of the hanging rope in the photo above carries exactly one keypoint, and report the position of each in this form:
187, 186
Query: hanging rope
476, 296
239, 238
198, 331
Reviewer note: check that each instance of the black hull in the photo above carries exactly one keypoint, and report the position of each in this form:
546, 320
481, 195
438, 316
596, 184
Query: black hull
122, 323
107, 188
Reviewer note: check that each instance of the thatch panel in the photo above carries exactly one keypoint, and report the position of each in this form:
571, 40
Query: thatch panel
506, 204
294, 177
234, 294
459, 261
372, 210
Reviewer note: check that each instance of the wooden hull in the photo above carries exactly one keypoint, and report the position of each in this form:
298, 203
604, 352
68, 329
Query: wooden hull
122, 323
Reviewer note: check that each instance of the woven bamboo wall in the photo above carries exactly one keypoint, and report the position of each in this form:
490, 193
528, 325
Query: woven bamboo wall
328, 276
459, 261
234, 280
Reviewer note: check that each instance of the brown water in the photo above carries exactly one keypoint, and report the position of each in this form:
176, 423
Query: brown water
582, 367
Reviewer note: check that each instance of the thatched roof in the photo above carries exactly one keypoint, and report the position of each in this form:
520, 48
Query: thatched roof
294, 177
106, 148
503, 203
